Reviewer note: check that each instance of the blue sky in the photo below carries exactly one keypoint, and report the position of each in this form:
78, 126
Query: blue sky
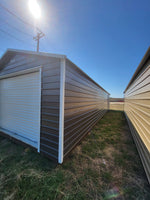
105, 38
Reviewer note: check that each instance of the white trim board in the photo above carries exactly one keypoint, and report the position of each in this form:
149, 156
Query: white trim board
21, 72
19, 137
34, 53
61, 111
40, 90
33, 143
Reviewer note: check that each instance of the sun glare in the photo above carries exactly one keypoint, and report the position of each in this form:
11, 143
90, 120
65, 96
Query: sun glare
35, 8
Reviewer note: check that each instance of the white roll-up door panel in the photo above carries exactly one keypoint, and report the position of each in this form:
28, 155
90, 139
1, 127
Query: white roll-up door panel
20, 107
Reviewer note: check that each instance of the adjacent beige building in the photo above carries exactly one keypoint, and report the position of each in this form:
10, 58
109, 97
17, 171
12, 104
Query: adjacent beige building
137, 109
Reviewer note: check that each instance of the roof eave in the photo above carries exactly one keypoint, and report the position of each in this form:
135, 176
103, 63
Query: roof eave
88, 76
11, 52
140, 66
37, 53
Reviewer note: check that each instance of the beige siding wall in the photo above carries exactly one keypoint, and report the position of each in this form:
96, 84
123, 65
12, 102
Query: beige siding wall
137, 109
85, 104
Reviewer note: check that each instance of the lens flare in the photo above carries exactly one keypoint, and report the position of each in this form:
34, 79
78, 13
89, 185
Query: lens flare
113, 193
35, 8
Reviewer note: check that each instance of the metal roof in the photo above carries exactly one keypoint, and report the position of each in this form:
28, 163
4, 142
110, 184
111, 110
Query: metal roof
7, 56
11, 52
140, 67
88, 76
14, 51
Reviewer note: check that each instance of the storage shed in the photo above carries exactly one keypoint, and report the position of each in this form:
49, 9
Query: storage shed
47, 102
137, 109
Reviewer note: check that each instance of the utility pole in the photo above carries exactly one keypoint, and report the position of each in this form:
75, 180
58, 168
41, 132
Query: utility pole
37, 38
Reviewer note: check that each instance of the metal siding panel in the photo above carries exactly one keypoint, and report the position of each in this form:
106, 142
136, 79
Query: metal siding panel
85, 104
139, 80
143, 151
50, 109
137, 109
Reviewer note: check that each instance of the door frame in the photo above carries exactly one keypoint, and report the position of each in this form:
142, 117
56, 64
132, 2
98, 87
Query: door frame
23, 72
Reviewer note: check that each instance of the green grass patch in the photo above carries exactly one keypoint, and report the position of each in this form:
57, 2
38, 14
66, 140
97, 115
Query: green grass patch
106, 177
106, 159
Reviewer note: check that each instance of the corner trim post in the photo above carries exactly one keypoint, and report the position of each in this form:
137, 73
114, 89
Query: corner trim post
61, 111
39, 134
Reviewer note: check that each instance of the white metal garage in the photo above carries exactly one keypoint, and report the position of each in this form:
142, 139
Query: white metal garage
20, 97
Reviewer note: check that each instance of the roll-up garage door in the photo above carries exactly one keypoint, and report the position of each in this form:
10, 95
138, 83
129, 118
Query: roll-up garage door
20, 98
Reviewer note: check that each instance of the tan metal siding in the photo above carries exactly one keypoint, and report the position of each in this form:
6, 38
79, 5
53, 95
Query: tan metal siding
137, 109
49, 97
85, 104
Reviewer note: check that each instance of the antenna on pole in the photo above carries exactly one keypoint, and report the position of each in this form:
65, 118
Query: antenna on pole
37, 38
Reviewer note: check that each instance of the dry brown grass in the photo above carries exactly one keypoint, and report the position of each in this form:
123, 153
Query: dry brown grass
118, 106
104, 166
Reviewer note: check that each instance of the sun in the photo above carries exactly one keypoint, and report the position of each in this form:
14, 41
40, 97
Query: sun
35, 8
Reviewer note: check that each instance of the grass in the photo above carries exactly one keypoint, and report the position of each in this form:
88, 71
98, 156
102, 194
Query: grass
104, 166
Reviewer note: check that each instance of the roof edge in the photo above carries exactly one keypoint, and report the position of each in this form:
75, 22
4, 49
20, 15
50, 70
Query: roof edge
88, 76
36, 53
11, 52
139, 68
61, 56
